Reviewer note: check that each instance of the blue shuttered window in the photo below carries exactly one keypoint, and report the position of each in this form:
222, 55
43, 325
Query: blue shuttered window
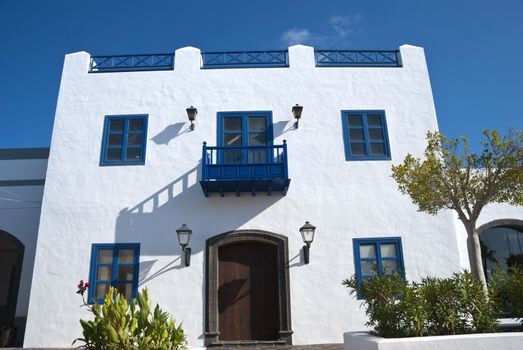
124, 140
114, 265
377, 256
365, 135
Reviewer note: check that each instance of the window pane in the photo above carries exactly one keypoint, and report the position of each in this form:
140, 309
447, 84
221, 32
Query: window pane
258, 139
136, 125
377, 148
367, 251
389, 266
232, 124
356, 134
114, 153
355, 120
101, 290
376, 134
116, 125
374, 120
257, 123
125, 289
501, 247
134, 139
104, 273
232, 139
115, 139
133, 154
125, 256
388, 250
369, 268
125, 273
105, 256
357, 149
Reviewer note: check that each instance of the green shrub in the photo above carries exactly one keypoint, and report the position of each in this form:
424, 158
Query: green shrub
507, 287
130, 325
435, 306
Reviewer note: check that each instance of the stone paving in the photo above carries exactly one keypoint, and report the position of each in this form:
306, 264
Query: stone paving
287, 347
281, 347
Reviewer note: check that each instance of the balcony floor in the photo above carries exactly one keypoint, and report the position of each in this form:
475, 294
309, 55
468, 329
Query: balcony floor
251, 186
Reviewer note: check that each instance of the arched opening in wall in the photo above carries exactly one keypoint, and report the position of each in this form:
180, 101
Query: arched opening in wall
501, 244
11, 258
247, 289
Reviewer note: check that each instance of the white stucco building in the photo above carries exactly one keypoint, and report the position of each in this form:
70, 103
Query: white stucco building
22, 179
126, 169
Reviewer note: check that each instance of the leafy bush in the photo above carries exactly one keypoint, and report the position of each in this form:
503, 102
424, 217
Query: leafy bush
508, 288
130, 325
435, 306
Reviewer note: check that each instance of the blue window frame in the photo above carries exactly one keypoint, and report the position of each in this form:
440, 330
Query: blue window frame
124, 140
365, 135
241, 130
114, 265
377, 256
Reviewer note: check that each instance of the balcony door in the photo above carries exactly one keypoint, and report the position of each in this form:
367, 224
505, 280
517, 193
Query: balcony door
247, 134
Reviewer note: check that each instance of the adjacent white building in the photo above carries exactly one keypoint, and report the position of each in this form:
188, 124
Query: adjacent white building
126, 170
22, 179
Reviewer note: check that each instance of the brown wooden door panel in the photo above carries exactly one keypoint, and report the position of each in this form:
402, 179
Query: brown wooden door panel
248, 292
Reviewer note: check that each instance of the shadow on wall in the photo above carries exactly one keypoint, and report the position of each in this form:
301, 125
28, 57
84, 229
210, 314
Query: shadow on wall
170, 133
153, 221
282, 127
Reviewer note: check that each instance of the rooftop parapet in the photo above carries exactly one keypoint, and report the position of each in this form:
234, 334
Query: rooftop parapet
248, 59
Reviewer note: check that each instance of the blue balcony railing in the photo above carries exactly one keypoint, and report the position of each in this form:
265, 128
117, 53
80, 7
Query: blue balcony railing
244, 169
129, 63
357, 58
245, 59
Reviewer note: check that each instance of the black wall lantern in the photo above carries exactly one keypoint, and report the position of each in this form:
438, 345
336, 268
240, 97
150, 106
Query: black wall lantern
307, 234
184, 235
191, 114
296, 111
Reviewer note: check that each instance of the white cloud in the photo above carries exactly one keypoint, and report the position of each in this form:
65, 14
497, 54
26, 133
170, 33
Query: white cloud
342, 29
296, 36
345, 26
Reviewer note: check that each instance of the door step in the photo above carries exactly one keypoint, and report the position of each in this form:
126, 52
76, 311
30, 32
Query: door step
279, 344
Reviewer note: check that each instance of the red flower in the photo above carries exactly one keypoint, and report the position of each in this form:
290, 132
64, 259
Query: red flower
82, 287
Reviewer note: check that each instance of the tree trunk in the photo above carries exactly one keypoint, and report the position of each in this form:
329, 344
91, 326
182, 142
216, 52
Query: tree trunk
474, 250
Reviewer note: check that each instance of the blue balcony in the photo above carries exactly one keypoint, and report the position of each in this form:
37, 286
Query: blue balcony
249, 169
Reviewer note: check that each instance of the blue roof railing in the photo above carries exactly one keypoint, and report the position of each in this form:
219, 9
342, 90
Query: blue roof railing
246, 59
357, 58
130, 63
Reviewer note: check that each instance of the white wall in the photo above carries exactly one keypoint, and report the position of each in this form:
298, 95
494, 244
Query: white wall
85, 203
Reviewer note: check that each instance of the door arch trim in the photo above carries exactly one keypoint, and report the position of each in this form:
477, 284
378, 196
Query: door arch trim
212, 334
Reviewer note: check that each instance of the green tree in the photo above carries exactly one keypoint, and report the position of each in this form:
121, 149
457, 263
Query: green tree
452, 177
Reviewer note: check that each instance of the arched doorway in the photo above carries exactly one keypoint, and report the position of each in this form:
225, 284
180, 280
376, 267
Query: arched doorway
11, 258
247, 288
501, 244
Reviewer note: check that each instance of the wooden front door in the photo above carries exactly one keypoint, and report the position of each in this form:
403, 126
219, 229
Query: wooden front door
248, 292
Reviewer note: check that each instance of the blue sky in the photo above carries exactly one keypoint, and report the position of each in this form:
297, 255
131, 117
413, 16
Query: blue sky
474, 48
